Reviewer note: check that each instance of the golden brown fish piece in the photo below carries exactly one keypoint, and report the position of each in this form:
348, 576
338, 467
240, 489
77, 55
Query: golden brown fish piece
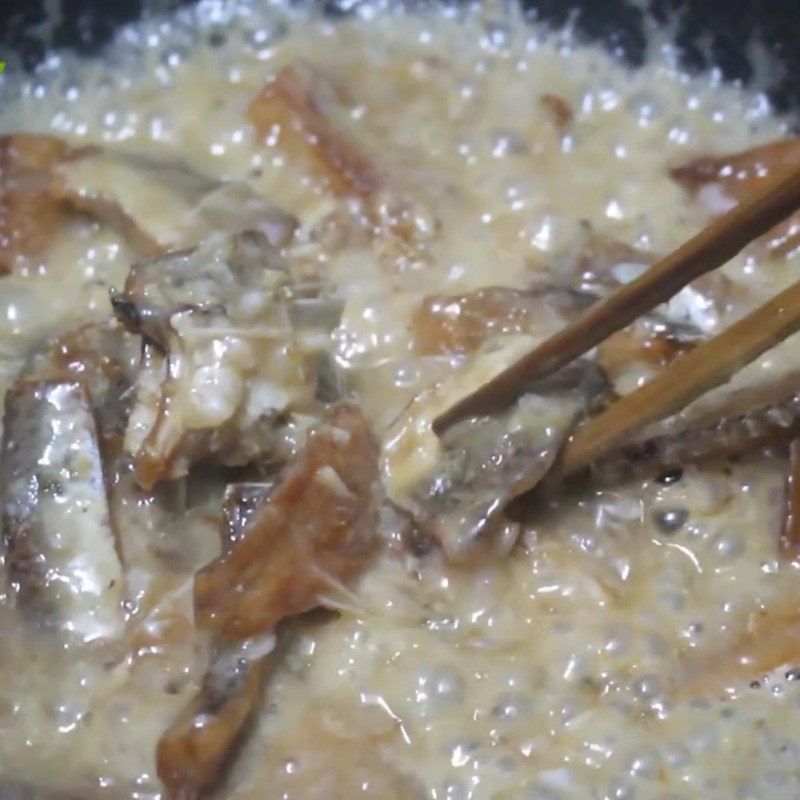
30, 213
315, 528
299, 109
457, 486
457, 483
161, 204
720, 182
640, 343
156, 204
193, 751
305, 114
460, 324
296, 530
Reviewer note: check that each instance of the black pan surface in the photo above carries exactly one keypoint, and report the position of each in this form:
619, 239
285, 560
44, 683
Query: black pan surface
709, 32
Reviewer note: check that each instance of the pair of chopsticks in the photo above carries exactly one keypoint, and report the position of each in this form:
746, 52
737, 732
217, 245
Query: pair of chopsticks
691, 374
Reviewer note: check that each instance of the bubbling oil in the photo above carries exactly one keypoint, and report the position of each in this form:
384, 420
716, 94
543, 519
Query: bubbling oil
581, 666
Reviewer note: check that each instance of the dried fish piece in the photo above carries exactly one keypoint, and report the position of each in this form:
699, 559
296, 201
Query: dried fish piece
281, 548
720, 182
639, 343
60, 551
411, 449
192, 752
653, 340
315, 528
30, 216
241, 274
457, 485
161, 204
460, 324
103, 357
143, 198
300, 110
737, 175
222, 363
156, 204
305, 114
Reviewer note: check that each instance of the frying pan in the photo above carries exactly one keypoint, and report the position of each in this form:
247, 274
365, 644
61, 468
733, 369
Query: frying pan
708, 32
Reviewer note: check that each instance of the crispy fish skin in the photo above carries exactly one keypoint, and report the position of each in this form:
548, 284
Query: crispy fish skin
316, 526
457, 484
60, 550
282, 546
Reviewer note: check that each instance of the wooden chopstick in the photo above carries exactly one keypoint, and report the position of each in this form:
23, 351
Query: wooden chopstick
709, 249
790, 536
685, 379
